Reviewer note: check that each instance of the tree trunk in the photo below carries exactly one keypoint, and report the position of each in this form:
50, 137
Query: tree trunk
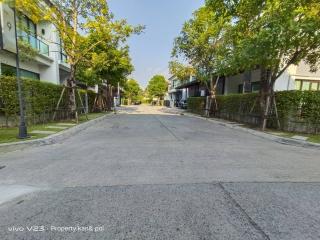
209, 98
266, 94
71, 83
266, 112
213, 105
108, 96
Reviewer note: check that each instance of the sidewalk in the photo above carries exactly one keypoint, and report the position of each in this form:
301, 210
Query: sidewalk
51, 133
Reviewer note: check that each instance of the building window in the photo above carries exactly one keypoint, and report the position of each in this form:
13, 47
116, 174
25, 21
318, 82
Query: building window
7, 70
314, 86
63, 55
28, 31
240, 88
298, 85
307, 85
255, 87
28, 34
28, 74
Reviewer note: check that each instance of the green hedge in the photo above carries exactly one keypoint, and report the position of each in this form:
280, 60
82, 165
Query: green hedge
40, 100
197, 105
299, 106
293, 106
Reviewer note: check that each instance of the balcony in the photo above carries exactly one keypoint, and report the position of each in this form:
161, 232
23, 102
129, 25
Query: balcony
35, 43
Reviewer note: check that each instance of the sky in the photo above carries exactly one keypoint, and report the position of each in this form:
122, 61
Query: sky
163, 19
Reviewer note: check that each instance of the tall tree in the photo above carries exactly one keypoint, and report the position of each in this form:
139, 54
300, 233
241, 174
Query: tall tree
275, 34
157, 86
74, 19
227, 37
132, 90
200, 43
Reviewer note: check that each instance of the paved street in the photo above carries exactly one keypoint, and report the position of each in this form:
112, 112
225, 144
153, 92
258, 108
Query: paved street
151, 173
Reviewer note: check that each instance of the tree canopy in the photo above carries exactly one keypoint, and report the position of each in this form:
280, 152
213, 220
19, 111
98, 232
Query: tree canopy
90, 37
132, 90
180, 70
228, 37
157, 86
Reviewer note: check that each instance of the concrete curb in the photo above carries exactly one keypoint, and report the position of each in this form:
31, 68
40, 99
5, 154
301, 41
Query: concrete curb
54, 138
268, 136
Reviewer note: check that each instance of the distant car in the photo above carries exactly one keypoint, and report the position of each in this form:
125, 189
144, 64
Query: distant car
183, 104
137, 102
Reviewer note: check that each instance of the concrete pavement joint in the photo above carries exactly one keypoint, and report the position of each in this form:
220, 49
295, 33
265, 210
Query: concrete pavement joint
250, 220
169, 130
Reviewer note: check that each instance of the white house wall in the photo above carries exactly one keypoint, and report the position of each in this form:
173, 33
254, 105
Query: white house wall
7, 26
303, 71
10, 59
284, 82
48, 67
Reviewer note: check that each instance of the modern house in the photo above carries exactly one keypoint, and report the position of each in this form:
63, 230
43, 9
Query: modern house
50, 62
294, 78
181, 90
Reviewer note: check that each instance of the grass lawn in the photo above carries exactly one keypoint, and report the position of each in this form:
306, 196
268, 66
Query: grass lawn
8, 135
315, 138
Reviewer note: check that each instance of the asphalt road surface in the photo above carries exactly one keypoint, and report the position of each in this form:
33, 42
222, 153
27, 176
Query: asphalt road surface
151, 173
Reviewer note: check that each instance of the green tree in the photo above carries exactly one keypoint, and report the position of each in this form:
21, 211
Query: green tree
71, 17
228, 37
132, 90
157, 86
180, 70
274, 34
201, 44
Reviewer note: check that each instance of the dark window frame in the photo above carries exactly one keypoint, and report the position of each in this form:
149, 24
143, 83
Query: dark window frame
255, 84
240, 88
22, 71
29, 23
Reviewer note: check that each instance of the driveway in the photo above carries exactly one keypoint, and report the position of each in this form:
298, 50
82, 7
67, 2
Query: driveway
151, 173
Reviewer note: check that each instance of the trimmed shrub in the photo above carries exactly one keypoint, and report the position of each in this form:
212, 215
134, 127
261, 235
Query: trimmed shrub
196, 105
239, 107
298, 110
40, 100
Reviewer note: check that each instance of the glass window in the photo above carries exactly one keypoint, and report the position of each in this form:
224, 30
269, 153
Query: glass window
28, 74
8, 70
240, 88
305, 86
298, 85
314, 86
28, 31
32, 30
255, 86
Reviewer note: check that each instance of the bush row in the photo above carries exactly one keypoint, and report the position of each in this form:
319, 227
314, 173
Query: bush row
301, 107
196, 105
40, 100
